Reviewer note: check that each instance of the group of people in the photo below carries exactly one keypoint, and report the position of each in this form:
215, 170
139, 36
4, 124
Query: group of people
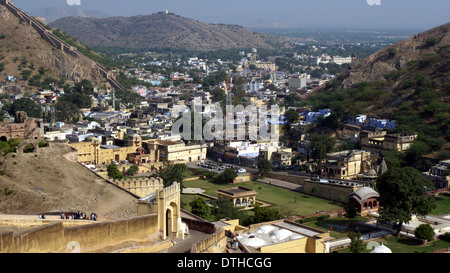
79, 215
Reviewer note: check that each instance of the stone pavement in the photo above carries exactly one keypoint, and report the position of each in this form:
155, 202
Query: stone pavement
281, 183
185, 245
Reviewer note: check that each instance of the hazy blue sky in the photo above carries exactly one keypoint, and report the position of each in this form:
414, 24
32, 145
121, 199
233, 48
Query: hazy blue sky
412, 14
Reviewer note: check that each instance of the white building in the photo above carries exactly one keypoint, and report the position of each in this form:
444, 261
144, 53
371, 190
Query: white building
341, 60
359, 120
326, 59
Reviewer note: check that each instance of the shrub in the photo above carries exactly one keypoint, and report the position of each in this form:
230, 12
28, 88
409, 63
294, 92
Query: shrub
226, 177
445, 237
392, 52
432, 41
424, 232
134, 169
200, 208
28, 149
323, 217
114, 172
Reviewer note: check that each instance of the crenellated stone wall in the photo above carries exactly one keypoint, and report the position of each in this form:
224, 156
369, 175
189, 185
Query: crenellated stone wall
141, 186
58, 238
46, 34
215, 243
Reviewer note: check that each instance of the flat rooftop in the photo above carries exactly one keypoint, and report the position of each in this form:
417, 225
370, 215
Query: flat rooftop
276, 233
237, 191
109, 147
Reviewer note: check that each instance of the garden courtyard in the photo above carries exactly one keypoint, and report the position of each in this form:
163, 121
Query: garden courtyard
301, 204
298, 203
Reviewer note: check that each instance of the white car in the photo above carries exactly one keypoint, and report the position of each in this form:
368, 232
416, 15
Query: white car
241, 171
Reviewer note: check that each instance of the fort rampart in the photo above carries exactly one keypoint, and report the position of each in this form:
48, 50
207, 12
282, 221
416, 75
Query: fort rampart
62, 45
141, 186
215, 243
59, 238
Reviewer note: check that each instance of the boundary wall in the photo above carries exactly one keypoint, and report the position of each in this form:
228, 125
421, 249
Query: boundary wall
56, 238
60, 44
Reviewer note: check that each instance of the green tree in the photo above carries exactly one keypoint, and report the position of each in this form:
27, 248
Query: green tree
79, 99
319, 145
356, 244
291, 117
392, 52
227, 176
128, 97
424, 232
173, 173
218, 95
35, 80
26, 105
238, 92
26, 74
264, 167
413, 156
114, 172
132, 170
350, 211
314, 190
394, 159
223, 208
293, 99
403, 193
200, 208
265, 214
66, 111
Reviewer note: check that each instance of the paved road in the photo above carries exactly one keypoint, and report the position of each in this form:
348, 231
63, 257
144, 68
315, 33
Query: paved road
281, 183
185, 245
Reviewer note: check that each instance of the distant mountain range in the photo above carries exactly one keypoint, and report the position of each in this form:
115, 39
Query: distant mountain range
164, 31
54, 13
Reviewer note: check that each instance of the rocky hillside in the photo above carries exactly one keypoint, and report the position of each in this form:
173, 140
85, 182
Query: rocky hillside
46, 181
25, 54
399, 55
408, 82
161, 31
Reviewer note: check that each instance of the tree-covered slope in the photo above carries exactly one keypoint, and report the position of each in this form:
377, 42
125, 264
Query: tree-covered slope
408, 82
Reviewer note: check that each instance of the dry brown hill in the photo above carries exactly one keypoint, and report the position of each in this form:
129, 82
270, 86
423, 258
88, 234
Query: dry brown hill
161, 30
398, 55
408, 82
45, 181
22, 48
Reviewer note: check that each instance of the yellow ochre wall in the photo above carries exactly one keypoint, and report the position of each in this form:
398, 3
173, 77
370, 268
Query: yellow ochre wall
55, 238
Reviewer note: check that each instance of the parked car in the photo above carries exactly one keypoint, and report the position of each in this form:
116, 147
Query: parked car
241, 170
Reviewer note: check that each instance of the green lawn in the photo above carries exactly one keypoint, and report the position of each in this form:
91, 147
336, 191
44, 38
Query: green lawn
405, 245
442, 205
339, 226
188, 198
300, 203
